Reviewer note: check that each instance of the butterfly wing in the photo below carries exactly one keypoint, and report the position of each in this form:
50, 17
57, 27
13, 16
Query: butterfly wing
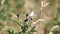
31, 14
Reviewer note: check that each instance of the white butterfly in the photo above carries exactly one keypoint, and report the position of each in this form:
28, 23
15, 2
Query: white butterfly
32, 14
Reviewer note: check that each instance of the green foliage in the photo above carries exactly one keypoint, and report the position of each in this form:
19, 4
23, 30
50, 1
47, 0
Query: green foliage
5, 5
54, 22
37, 0
6, 14
58, 9
56, 31
52, 2
11, 31
19, 3
32, 30
24, 27
50, 24
1, 25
